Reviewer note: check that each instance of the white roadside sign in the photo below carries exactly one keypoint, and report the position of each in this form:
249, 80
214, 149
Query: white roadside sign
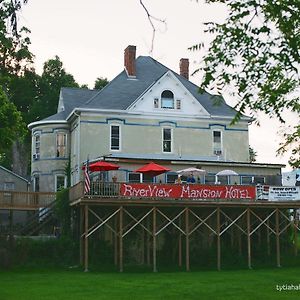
284, 193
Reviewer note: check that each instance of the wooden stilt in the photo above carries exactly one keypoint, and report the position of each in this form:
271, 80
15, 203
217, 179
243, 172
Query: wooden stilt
249, 238
81, 238
259, 237
232, 237
218, 239
148, 242
154, 240
187, 240
86, 239
295, 232
143, 247
277, 238
116, 241
180, 246
239, 233
268, 238
121, 239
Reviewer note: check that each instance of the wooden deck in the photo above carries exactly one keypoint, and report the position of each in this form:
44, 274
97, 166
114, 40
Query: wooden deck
110, 210
12, 200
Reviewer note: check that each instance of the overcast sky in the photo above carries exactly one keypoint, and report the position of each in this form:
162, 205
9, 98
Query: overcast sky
90, 37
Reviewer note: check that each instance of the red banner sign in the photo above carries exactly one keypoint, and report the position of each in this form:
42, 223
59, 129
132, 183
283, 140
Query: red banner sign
189, 191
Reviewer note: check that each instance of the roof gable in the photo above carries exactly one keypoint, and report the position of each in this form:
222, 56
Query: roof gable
184, 103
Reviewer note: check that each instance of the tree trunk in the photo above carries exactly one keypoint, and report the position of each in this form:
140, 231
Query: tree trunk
20, 158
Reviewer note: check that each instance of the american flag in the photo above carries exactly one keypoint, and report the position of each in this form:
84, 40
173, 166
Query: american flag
87, 181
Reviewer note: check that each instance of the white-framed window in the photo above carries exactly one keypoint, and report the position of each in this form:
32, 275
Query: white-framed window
247, 180
37, 146
259, 180
171, 177
9, 186
167, 140
61, 144
178, 104
115, 137
217, 142
134, 177
167, 99
147, 178
210, 179
36, 183
223, 179
60, 182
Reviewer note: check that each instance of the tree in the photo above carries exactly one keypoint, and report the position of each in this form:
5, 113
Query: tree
53, 78
11, 7
15, 61
255, 55
11, 124
252, 154
100, 83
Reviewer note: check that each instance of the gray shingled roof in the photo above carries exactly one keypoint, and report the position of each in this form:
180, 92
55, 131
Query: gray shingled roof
72, 97
122, 91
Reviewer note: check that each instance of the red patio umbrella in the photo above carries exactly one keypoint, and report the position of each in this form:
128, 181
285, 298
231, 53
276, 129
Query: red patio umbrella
102, 166
152, 169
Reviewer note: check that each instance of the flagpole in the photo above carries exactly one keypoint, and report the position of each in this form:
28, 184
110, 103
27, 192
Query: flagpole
87, 180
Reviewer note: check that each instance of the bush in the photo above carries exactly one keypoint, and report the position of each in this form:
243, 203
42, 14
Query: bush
51, 251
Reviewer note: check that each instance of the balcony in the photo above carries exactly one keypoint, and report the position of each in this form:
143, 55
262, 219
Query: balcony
25, 200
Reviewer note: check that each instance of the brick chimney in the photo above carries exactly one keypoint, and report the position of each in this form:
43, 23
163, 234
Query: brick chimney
184, 67
129, 60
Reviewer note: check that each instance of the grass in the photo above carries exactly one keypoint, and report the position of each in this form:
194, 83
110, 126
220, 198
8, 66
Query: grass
73, 284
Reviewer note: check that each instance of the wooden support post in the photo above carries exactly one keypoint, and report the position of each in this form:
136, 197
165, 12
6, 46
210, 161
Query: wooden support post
295, 224
232, 237
121, 239
239, 233
249, 238
218, 239
148, 242
81, 238
180, 245
143, 247
116, 241
154, 240
268, 238
11, 233
187, 240
277, 238
259, 237
86, 239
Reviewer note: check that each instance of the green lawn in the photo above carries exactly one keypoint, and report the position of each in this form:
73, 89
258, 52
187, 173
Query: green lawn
74, 284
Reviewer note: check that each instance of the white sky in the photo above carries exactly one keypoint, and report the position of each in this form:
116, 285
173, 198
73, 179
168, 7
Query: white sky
90, 37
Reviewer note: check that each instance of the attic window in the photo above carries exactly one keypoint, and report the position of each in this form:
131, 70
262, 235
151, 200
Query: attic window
167, 99
155, 102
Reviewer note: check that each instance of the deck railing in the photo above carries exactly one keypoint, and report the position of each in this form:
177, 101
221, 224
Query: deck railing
163, 191
122, 190
22, 200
